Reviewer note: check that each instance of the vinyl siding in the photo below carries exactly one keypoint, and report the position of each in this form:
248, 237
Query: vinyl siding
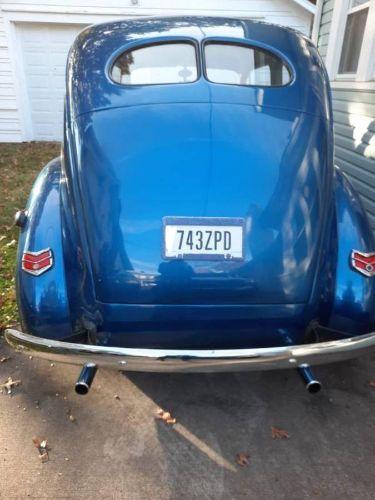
10, 125
283, 12
325, 26
354, 127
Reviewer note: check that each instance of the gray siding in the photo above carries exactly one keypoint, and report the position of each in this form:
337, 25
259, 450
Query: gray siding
325, 25
354, 126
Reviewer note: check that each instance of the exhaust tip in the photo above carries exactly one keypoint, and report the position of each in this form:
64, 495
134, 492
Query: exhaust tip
85, 378
314, 386
81, 388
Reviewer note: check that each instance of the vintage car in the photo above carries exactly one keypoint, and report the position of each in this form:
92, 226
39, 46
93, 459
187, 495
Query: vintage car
195, 220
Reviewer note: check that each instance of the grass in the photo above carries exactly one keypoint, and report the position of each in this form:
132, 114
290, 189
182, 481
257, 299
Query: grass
19, 166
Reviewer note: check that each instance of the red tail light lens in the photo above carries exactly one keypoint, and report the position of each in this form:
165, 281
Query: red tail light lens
364, 262
37, 263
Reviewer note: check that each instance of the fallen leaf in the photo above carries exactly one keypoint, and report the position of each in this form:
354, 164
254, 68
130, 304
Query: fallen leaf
371, 383
9, 384
279, 433
165, 416
242, 459
42, 447
44, 457
36, 442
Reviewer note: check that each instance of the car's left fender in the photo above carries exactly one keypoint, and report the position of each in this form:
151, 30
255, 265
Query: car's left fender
42, 299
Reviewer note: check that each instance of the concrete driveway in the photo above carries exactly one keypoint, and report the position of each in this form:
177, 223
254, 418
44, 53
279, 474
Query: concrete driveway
115, 448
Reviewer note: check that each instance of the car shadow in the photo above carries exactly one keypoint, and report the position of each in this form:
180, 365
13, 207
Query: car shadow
117, 448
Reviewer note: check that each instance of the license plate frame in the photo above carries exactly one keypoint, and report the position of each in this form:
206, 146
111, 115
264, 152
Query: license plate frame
222, 222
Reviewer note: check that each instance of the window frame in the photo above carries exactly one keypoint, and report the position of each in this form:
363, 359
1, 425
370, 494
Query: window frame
366, 66
152, 43
240, 43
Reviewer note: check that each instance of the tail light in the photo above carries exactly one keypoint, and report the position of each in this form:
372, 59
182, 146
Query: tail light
364, 262
37, 263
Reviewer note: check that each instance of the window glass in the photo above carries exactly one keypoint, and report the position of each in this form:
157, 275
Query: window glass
155, 64
353, 37
356, 3
240, 65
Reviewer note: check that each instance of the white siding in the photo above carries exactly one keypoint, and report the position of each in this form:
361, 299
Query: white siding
10, 125
285, 12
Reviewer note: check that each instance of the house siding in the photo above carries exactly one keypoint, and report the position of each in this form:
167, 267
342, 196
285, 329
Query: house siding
354, 128
10, 124
325, 25
284, 12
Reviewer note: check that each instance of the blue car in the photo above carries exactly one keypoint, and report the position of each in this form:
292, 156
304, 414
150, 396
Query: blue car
195, 220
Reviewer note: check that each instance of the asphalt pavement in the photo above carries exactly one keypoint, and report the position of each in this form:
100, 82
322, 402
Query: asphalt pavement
110, 443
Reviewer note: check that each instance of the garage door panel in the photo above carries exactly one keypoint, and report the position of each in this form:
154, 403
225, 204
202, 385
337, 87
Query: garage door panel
44, 51
42, 104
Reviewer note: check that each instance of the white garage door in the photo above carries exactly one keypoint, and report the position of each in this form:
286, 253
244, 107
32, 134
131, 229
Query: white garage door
44, 51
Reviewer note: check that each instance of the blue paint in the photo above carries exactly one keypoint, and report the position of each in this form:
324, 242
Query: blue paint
133, 155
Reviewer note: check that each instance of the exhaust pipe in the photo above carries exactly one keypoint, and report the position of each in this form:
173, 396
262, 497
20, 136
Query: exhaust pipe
86, 378
312, 385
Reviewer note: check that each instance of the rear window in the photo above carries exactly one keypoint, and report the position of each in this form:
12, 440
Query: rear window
243, 65
156, 64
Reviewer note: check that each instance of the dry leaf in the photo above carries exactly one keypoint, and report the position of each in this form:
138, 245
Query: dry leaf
36, 442
42, 447
242, 459
44, 457
371, 383
165, 416
9, 384
279, 433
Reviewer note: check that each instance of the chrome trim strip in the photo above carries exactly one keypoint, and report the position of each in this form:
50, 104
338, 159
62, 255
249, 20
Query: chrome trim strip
169, 360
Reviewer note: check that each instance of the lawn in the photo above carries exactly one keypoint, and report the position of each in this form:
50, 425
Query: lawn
19, 165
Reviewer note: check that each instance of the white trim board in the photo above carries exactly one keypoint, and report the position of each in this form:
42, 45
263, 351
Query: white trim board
366, 63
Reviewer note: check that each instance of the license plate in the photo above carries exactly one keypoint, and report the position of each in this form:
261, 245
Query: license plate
203, 238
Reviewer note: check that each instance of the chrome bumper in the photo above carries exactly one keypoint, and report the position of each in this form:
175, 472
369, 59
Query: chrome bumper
207, 360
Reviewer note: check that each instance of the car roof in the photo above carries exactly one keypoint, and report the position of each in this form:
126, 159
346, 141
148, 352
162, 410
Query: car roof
197, 27
89, 87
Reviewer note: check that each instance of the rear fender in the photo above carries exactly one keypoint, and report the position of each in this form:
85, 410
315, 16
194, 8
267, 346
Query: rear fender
42, 300
354, 295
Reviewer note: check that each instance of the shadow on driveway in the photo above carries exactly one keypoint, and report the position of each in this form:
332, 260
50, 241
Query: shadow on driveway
116, 448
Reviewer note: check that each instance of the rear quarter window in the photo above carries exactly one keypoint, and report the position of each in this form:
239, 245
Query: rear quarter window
156, 64
244, 65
